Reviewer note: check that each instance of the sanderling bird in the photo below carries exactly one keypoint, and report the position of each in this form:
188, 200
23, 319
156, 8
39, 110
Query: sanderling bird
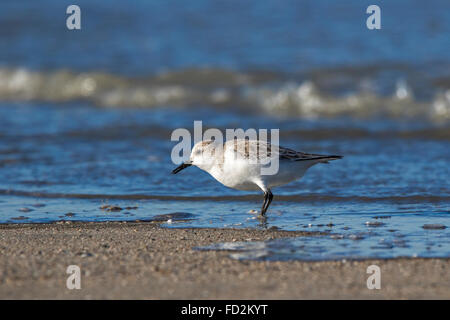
238, 164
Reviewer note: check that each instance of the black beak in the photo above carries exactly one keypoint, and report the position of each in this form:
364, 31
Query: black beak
181, 167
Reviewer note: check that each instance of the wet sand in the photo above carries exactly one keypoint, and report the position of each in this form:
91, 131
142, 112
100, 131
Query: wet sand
121, 260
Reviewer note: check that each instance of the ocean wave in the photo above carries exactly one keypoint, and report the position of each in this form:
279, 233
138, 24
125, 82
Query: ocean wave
273, 94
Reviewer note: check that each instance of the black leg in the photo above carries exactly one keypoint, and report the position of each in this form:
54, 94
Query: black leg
270, 199
263, 209
268, 196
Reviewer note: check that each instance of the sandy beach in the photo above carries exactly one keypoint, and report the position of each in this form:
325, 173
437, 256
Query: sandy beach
101, 101
120, 260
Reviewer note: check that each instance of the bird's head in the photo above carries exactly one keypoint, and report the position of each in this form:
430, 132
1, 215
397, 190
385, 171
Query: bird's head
203, 155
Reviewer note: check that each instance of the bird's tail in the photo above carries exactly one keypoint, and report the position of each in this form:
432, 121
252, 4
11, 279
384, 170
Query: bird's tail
325, 159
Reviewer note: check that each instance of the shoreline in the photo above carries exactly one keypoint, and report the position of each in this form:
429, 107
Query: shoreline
141, 260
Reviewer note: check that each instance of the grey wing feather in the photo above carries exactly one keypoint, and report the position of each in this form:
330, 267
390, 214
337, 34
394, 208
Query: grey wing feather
292, 155
263, 150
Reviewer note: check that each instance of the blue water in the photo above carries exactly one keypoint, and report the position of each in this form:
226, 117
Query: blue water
86, 118
66, 162
148, 36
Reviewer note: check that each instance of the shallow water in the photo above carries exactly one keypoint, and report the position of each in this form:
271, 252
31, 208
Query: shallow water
64, 162
85, 126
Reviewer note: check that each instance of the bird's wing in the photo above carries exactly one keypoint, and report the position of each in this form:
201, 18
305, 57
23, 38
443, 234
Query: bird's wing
249, 149
260, 150
292, 155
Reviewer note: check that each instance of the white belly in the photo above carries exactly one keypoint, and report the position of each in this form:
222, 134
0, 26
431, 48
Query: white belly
288, 172
244, 176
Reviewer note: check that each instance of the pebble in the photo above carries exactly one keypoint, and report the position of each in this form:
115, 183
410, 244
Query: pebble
19, 218
86, 254
435, 226
374, 223
109, 207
